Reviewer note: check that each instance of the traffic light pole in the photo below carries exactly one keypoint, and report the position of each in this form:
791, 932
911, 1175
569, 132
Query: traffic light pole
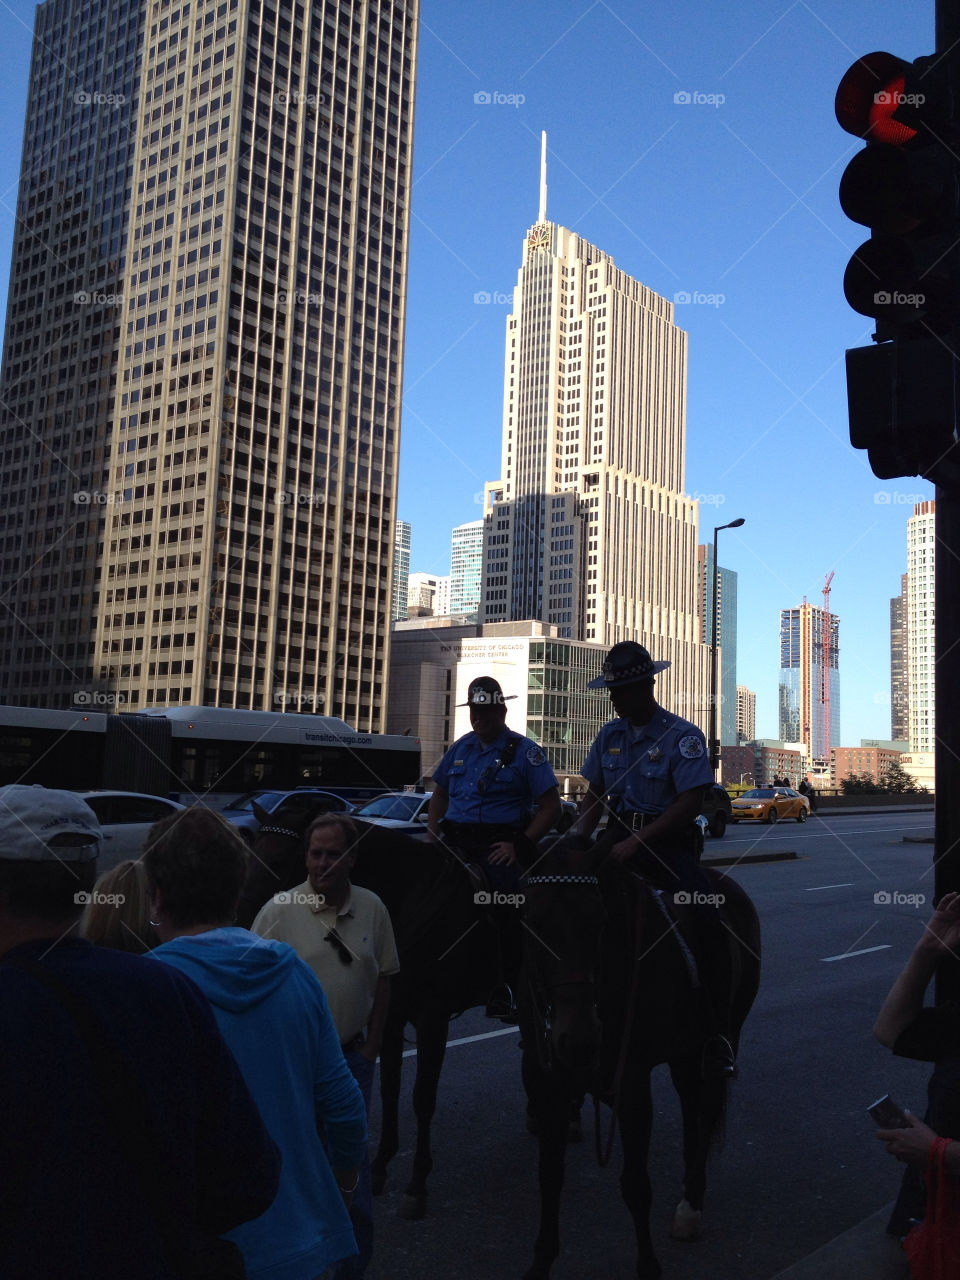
947, 621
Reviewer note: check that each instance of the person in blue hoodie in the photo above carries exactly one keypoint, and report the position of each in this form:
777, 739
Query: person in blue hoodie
272, 1012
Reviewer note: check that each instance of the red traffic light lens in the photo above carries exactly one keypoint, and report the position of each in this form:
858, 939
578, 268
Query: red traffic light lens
869, 94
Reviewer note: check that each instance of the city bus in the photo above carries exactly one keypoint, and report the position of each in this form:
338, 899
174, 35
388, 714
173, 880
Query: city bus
191, 752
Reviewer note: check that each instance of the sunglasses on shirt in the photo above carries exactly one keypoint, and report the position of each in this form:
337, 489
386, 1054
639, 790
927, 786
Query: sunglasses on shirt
338, 944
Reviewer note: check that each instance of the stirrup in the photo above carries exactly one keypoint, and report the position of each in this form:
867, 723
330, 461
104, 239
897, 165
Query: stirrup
718, 1060
501, 1004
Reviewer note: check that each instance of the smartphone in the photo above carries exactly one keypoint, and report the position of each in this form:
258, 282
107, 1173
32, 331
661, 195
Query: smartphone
887, 1114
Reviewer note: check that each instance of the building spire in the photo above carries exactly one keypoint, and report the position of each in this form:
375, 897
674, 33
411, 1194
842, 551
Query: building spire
542, 216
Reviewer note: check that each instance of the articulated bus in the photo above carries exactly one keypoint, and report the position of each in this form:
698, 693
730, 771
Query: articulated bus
188, 752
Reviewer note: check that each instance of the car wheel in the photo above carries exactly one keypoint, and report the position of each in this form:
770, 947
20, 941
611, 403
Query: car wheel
772, 816
719, 824
802, 815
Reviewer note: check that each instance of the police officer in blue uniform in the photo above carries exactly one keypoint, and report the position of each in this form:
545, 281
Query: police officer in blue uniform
649, 769
495, 796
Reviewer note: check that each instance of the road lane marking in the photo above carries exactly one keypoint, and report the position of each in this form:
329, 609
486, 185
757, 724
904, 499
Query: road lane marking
847, 884
818, 835
885, 946
484, 1035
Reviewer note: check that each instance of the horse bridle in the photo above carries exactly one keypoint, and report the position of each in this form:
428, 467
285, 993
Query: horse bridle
544, 1012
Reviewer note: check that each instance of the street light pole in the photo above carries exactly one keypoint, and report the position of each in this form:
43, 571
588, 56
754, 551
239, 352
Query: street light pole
714, 736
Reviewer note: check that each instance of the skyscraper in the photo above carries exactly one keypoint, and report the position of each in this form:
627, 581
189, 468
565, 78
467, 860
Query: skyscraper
808, 677
588, 526
899, 664
466, 567
203, 352
746, 714
921, 602
401, 570
726, 635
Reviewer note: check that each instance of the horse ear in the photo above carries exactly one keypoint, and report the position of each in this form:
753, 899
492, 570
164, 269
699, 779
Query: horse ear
261, 815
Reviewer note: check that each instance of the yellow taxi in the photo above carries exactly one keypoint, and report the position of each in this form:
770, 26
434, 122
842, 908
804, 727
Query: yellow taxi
769, 804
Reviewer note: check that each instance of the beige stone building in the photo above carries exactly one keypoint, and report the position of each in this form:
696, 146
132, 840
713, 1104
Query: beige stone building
203, 353
588, 528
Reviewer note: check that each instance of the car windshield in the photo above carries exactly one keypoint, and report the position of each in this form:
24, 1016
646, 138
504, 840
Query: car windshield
402, 808
758, 794
265, 799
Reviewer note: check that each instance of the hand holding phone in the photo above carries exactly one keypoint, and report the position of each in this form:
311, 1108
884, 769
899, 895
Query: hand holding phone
887, 1114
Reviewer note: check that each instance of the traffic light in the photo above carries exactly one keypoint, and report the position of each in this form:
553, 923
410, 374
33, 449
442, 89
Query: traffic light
904, 186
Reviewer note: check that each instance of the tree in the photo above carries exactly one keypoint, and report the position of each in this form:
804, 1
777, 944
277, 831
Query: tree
859, 784
896, 779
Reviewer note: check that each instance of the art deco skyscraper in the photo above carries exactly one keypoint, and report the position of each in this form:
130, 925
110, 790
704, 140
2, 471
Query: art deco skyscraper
588, 526
201, 370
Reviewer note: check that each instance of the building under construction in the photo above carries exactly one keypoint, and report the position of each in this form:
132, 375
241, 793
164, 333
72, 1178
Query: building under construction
809, 692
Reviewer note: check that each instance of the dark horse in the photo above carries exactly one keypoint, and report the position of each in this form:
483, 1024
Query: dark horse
598, 941
446, 949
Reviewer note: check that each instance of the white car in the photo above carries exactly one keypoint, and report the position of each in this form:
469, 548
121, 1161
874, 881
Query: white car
125, 818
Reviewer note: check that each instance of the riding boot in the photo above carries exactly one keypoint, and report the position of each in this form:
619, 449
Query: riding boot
716, 977
501, 1002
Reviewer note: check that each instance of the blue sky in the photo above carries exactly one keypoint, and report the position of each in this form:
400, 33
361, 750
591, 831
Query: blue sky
730, 196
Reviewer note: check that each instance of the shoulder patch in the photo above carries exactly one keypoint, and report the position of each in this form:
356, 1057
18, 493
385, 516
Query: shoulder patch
691, 746
536, 756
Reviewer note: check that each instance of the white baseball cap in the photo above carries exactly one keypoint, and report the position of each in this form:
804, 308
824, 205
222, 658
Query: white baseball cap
37, 823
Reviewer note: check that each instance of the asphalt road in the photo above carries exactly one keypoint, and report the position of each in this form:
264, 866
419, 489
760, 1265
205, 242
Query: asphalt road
800, 1163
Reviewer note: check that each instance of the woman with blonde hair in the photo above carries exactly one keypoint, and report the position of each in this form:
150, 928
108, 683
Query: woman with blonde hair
117, 913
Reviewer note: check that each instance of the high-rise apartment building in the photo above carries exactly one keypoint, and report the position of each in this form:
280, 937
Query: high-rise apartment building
746, 714
726, 636
809, 679
588, 527
428, 595
466, 567
921, 598
899, 666
202, 358
401, 570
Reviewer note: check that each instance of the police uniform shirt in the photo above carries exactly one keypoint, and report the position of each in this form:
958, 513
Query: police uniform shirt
483, 790
644, 768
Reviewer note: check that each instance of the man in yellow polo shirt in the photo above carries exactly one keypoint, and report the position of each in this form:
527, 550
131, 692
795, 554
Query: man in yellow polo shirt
343, 932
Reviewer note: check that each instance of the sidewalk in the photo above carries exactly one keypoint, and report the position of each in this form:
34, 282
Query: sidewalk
865, 1252
824, 810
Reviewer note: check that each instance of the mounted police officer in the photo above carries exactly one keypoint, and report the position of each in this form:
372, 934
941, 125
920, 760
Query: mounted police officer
495, 796
648, 769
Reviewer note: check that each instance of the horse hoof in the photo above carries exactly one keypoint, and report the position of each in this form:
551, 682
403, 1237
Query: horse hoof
686, 1222
413, 1208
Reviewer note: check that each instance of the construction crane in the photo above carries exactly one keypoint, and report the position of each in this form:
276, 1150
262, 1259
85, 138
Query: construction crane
825, 668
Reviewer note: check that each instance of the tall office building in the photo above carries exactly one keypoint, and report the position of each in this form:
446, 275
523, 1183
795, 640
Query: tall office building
809, 688
921, 598
746, 714
466, 567
726, 636
401, 570
203, 353
588, 527
899, 665
428, 595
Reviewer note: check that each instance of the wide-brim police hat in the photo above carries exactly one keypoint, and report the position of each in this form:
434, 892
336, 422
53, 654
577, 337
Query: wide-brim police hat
627, 663
485, 692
